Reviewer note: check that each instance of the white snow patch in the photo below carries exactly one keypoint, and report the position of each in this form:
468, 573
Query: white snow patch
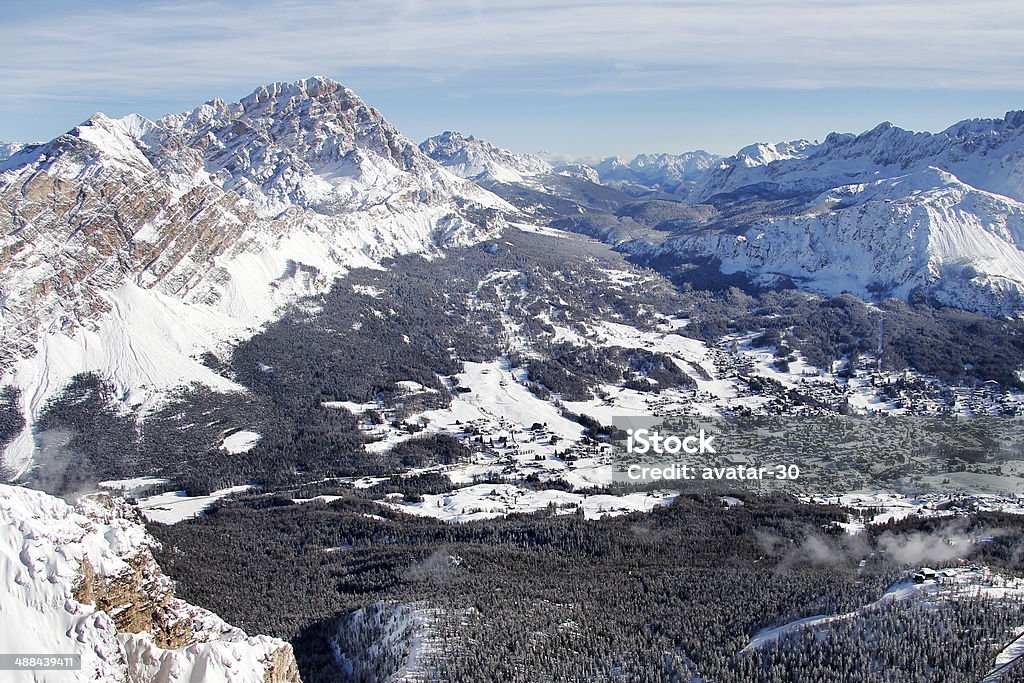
174, 507
542, 230
368, 290
241, 442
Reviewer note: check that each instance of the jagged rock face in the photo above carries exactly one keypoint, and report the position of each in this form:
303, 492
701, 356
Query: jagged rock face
78, 236
470, 157
139, 600
312, 144
84, 581
200, 226
281, 667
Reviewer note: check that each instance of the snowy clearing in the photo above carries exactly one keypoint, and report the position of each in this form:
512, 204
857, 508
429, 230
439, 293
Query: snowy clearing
485, 501
241, 442
174, 507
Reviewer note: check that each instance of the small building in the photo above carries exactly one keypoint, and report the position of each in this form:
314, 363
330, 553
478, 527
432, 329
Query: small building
924, 574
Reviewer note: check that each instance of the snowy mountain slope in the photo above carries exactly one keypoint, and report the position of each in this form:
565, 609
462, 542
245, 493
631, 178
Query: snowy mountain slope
672, 173
535, 187
885, 213
203, 224
83, 581
388, 641
577, 170
9, 149
476, 159
925, 231
985, 153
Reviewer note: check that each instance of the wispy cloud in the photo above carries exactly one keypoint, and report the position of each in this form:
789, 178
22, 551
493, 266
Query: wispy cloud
101, 50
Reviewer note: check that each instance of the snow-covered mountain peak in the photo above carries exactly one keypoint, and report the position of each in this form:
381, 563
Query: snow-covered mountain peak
200, 226
613, 162
761, 154
312, 143
1014, 118
309, 88
578, 170
9, 149
470, 157
885, 145
315, 106
123, 139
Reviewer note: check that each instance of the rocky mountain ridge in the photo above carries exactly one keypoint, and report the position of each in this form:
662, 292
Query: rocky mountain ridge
985, 153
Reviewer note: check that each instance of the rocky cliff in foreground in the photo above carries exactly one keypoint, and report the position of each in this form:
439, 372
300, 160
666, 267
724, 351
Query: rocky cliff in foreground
82, 580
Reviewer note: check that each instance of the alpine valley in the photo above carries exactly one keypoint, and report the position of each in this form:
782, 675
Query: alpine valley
274, 364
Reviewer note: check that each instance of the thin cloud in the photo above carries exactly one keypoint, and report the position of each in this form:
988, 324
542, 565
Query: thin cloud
105, 50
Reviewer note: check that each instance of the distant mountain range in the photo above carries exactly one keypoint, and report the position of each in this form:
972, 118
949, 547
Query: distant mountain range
672, 173
885, 213
476, 159
888, 212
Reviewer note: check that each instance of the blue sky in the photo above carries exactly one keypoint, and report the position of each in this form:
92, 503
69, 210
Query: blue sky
575, 77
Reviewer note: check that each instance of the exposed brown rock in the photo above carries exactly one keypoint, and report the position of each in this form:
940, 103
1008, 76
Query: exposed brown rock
85, 588
138, 601
141, 599
282, 667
